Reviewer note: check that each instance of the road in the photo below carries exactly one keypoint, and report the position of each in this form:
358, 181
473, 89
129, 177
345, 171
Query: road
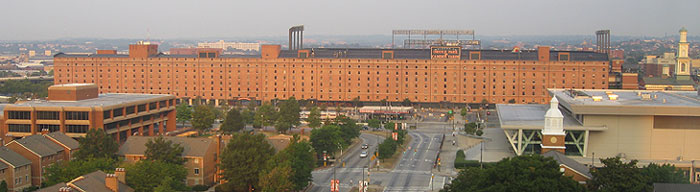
354, 166
412, 173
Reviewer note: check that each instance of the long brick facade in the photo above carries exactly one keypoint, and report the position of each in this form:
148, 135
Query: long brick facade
497, 76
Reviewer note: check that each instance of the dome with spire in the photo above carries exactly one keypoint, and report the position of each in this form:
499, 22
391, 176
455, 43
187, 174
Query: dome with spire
553, 119
683, 30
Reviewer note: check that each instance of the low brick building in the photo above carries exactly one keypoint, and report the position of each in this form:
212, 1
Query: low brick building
15, 170
74, 109
41, 151
199, 154
97, 181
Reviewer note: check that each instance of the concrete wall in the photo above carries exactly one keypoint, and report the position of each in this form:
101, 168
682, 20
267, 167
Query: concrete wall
636, 137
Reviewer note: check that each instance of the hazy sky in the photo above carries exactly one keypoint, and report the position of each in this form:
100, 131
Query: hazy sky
55, 19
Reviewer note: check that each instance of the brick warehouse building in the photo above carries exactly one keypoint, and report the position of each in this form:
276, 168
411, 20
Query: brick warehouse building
439, 74
73, 109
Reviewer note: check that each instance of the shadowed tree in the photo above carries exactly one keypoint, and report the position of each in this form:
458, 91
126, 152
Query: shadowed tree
159, 149
243, 159
233, 122
616, 175
184, 113
202, 118
521, 173
314, 118
96, 144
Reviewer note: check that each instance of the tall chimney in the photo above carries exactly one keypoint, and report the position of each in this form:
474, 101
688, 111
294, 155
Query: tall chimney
121, 175
111, 182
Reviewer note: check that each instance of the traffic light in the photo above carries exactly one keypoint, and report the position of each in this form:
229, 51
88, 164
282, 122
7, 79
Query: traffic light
449, 112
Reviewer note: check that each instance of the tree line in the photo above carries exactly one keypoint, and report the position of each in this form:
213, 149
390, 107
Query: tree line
538, 173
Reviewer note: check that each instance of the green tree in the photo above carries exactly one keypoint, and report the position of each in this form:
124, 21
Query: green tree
288, 115
314, 118
665, 173
247, 116
146, 175
348, 129
184, 113
159, 149
387, 148
202, 118
26, 88
521, 173
96, 144
301, 157
3, 186
243, 159
463, 112
374, 123
326, 139
265, 115
470, 128
233, 122
389, 125
406, 102
616, 175
166, 185
277, 179
65, 171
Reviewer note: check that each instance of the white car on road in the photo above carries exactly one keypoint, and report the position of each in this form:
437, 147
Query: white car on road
363, 154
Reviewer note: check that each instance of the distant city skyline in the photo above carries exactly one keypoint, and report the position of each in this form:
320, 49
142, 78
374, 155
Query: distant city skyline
181, 19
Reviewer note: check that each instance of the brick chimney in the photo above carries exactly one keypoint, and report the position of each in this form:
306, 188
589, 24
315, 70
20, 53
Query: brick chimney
111, 182
44, 131
121, 174
543, 53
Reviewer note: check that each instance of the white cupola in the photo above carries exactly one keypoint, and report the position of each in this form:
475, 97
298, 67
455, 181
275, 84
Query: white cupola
553, 119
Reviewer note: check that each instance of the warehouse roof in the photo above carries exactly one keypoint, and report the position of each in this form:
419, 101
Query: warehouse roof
376, 53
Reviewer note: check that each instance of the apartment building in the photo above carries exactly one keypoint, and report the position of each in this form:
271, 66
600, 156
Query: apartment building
15, 170
199, 154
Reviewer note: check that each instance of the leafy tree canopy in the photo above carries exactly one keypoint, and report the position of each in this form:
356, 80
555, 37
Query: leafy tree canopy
521, 173
184, 113
233, 122
326, 139
665, 173
374, 123
616, 175
146, 175
243, 159
159, 149
314, 117
288, 115
96, 144
68, 170
202, 118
